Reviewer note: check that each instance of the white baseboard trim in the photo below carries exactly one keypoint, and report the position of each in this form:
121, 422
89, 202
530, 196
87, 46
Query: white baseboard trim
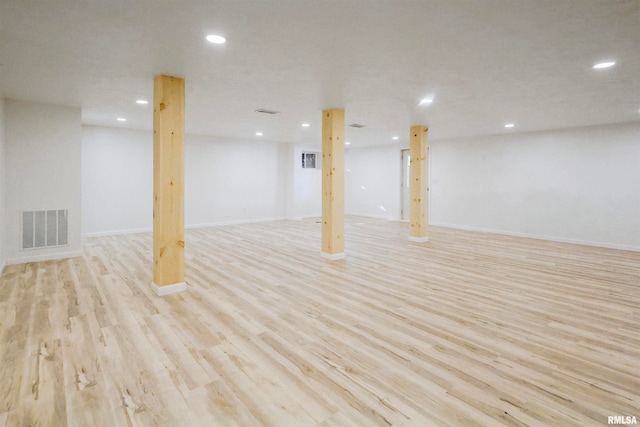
116, 232
234, 222
49, 257
418, 239
332, 257
170, 289
540, 237
385, 217
3, 264
203, 225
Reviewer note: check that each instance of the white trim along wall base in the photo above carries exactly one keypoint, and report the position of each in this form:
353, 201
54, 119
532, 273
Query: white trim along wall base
539, 237
43, 257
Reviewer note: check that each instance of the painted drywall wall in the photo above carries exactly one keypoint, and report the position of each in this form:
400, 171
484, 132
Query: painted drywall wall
372, 182
286, 179
226, 181
307, 185
577, 185
42, 160
117, 180
3, 258
230, 181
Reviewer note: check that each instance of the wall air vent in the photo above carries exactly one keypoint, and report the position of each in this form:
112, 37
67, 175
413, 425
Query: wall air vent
357, 125
265, 111
311, 160
44, 228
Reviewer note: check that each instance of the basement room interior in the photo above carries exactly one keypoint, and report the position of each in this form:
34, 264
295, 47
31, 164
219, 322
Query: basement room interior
319, 213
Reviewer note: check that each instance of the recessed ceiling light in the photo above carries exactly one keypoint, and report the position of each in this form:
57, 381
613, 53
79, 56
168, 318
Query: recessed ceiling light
216, 39
258, 133
509, 125
395, 137
426, 101
602, 65
347, 143
142, 102
305, 125
121, 119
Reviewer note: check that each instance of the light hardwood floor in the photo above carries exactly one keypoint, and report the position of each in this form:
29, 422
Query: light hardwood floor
466, 329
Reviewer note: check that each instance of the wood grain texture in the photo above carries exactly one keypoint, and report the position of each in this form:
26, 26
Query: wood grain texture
468, 329
333, 181
168, 180
418, 182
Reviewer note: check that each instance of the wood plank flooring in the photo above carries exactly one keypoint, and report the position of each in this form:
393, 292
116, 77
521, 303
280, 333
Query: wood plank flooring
468, 329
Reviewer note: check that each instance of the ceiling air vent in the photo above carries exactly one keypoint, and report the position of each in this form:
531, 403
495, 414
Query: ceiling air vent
265, 111
356, 125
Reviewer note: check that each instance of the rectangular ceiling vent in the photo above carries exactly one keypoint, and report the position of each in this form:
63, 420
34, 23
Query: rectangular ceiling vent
265, 111
357, 125
45, 228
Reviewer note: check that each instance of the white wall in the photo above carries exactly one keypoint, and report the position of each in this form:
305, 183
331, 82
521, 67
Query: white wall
117, 180
286, 181
231, 181
225, 180
579, 185
372, 182
3, 258
307, 186
42, 149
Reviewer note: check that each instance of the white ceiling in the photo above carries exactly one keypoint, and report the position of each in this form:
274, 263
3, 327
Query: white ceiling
488, 62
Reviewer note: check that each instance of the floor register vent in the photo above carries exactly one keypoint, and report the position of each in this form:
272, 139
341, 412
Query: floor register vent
42, 229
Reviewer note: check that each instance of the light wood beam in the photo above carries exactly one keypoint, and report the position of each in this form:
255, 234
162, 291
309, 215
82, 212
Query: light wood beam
333, 184
168, 185
419, 185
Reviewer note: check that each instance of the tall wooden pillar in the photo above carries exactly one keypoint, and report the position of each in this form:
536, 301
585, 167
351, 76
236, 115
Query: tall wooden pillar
333, 184
168, 185
418, 184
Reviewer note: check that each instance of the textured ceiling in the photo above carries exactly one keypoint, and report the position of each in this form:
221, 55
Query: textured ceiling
487, 62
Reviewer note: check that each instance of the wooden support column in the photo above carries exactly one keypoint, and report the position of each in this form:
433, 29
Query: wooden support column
333, 184
168, 185
418, 184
